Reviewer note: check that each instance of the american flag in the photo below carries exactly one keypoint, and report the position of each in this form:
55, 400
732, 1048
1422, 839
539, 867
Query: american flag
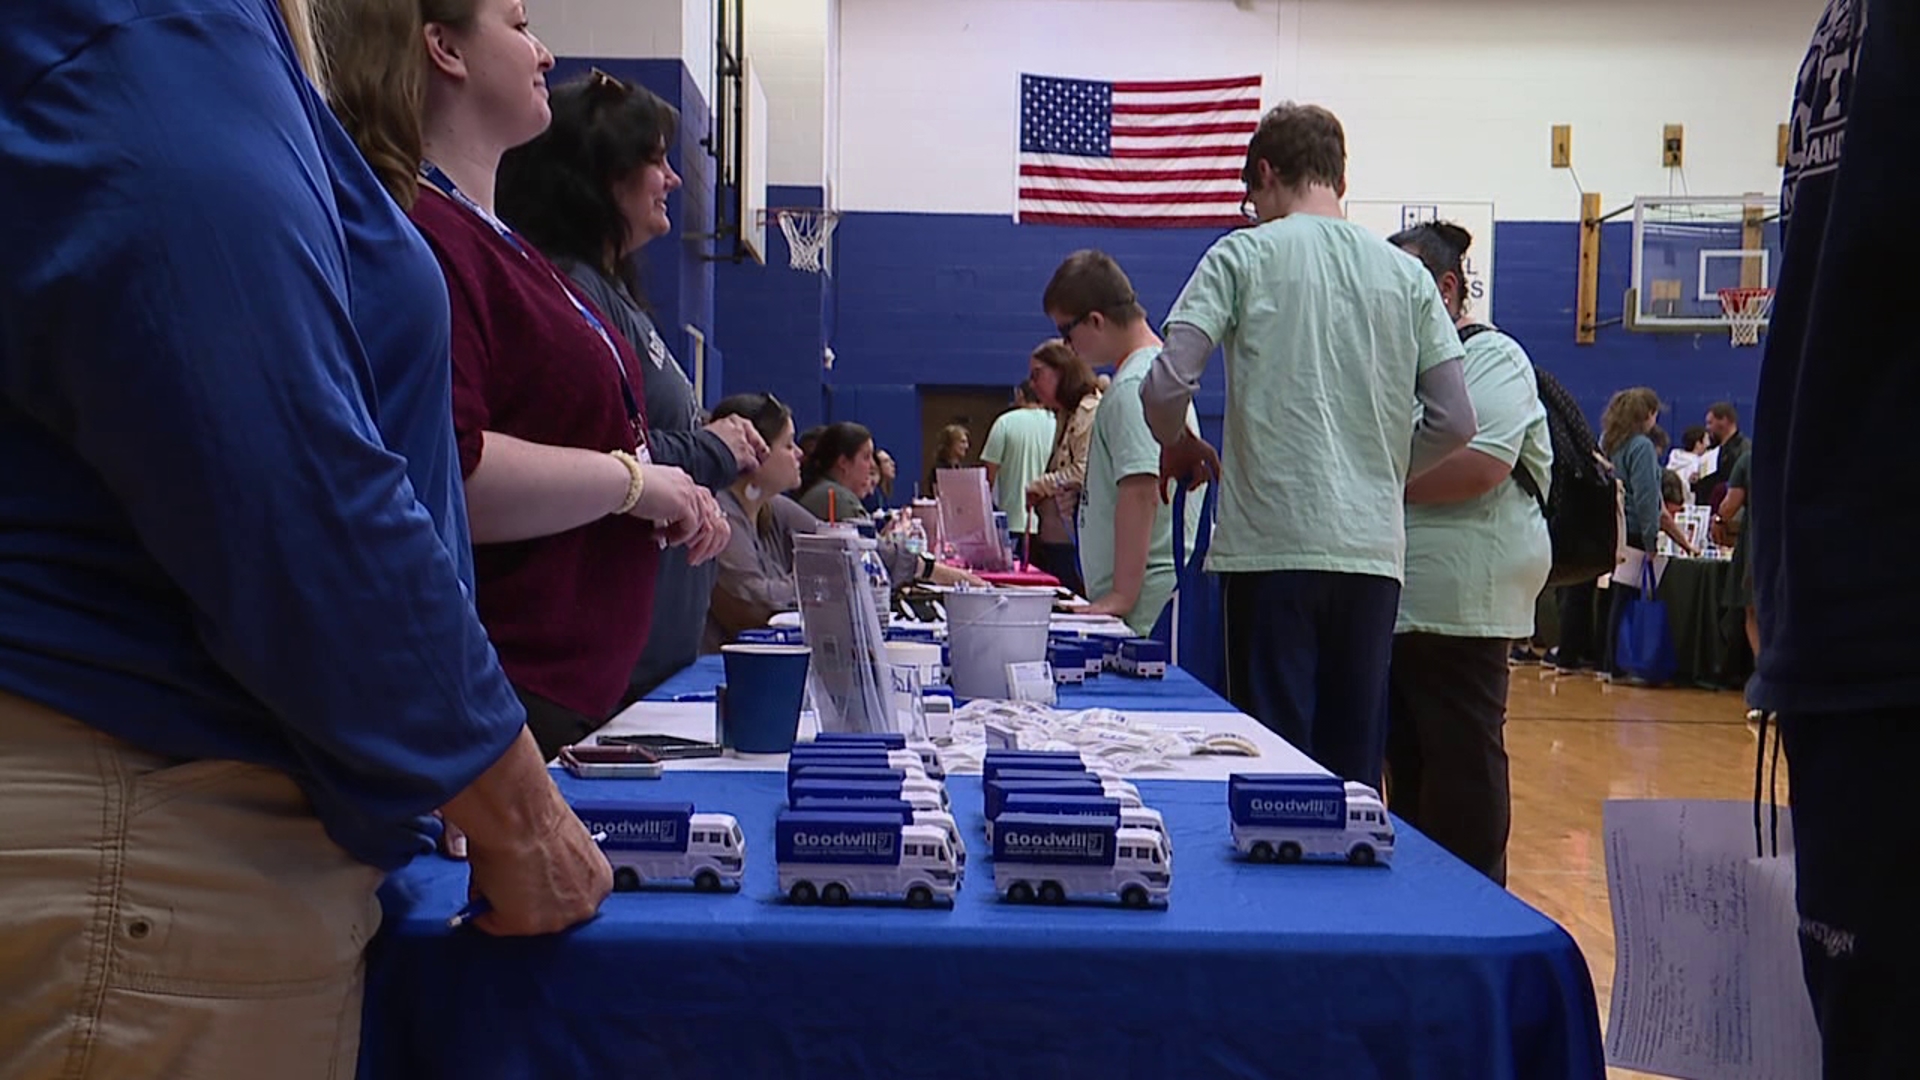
1162, 154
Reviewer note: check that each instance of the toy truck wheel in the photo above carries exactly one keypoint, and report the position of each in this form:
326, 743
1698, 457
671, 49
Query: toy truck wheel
1020, 892
1261, 851
835, 894
1133, 896
802, 893
1290, 852
919, 896
1361, 855
706, 881
626, 879
1052, 893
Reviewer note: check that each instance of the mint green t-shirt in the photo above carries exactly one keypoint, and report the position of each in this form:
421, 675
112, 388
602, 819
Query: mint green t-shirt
1475, 568
1122, 445
1018, 443
1326, 328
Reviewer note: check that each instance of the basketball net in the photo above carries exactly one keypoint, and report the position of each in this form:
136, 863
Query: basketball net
1746, 309
807, 233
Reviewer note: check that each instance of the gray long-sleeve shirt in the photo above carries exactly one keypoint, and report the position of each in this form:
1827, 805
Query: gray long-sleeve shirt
674, 437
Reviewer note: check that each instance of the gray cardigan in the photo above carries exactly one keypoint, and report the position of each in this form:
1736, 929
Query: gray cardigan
674, 437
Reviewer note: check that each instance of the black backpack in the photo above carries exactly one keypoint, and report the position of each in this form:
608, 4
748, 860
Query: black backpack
1582, 507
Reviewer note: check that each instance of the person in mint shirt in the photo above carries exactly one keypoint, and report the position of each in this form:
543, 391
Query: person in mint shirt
1016, 454
1331, 334
1478, 553
1126, 531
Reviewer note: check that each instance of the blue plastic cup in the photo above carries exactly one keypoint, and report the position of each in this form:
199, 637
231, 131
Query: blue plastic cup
765, 685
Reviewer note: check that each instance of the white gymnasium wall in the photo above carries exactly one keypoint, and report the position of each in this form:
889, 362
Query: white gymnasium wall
631, 29
1442, 99
787, 40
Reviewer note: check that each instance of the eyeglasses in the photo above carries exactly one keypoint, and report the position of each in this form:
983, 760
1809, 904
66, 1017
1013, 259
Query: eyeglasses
608, 87
1247, 209
1066, 332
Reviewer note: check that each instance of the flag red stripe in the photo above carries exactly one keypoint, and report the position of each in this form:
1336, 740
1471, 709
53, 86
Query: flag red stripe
1187, 85
1141, 198
1064, 172
1230, 153
1189, 221
1167, 108
1218, 127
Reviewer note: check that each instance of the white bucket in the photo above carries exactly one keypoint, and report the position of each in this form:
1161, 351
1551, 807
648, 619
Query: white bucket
991, 628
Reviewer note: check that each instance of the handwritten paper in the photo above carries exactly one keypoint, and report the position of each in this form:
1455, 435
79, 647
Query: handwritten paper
1707, 982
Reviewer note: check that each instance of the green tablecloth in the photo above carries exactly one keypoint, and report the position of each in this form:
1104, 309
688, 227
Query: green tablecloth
1708, 635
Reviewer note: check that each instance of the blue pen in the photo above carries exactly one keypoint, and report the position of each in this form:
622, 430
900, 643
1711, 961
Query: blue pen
704, 696
478, 906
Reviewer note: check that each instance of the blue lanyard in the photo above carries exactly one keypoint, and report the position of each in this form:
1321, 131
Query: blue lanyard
434, 175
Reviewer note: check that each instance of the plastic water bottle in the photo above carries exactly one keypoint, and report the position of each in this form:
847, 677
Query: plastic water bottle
916, 538
875, 570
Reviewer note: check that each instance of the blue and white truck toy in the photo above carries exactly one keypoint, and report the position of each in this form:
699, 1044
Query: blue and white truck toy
1142, 658
840, 769
836, 856
1054, 857
1287, 817
939, 819
1090, 805
886, 740
807, 788
650, 843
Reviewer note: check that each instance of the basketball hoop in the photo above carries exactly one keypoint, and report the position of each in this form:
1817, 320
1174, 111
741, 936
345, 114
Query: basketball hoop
807, 230
1746, 310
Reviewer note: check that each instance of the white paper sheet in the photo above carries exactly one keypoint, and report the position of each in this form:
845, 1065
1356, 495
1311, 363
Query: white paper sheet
1707, 982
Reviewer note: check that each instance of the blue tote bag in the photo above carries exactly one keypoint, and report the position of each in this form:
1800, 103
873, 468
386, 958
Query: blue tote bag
1199, 603
1644, 647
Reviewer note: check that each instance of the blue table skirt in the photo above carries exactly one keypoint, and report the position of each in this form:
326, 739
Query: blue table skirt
1314, 972
1178, 692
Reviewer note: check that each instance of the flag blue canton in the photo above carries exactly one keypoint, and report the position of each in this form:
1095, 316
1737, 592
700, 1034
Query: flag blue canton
1065, 116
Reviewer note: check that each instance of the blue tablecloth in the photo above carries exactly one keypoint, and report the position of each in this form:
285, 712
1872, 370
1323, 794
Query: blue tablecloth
1316, 972
1178, 692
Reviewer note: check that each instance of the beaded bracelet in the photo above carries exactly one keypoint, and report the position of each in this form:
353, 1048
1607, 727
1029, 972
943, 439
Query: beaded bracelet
636, 480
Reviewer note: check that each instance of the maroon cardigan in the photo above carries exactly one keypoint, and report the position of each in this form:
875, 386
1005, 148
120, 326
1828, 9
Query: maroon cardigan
568, 613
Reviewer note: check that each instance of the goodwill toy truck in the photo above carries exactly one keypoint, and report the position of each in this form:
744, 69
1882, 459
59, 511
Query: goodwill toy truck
1051, 857
836, 856
1289, 817
939, 819
653, 842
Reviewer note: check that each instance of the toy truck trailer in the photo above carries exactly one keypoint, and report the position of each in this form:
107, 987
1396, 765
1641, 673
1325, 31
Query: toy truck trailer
1029, 760
939, 819
892, 759
652, 842
908, 781
886, 740
1288, 818
835, 857
1143, 658
1131, 817
1118, 789
805, 788
1051, 857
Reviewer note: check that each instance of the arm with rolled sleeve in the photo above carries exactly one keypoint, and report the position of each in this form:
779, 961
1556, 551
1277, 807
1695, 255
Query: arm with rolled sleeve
203, 361
1206, 312
1447, 420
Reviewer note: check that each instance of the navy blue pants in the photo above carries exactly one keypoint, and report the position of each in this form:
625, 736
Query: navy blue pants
1307, 655
1859, 942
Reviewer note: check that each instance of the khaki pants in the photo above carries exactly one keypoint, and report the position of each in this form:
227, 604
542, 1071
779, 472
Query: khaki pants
171, 920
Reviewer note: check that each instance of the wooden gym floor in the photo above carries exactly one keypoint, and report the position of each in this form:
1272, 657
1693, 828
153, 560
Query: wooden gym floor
1575, 742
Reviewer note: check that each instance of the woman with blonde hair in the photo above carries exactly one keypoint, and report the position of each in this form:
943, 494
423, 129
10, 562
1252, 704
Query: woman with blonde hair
568, 511
238, 661
1066, 385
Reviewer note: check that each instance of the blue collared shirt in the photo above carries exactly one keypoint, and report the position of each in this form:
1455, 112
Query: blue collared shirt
231, 522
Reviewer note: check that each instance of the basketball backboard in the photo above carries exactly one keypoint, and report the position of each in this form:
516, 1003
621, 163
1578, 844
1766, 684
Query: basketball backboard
753, 165
1688, 248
